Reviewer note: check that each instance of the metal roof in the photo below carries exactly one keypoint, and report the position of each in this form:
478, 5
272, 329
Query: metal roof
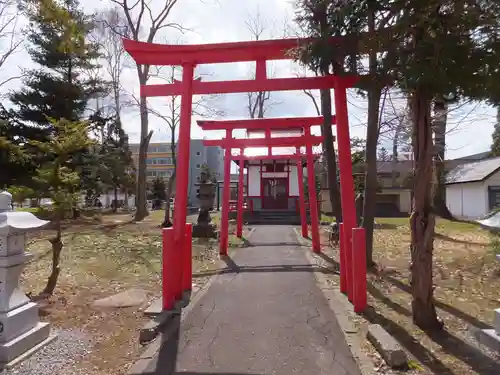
473, 172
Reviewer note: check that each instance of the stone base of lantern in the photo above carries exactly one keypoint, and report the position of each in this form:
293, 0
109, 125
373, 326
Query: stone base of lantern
19, 348
204, 231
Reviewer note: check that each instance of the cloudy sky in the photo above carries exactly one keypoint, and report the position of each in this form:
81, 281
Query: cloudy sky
211, 21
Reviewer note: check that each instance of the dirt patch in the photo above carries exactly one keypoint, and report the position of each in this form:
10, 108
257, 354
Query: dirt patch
467, 281
100, 260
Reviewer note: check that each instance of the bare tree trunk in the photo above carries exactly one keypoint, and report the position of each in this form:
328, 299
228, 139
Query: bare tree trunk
115, 203
142, 209
126, 199
439, 125
395, 147
57, 246
329, 152
372, 134
422, 219
170, 187
371, 182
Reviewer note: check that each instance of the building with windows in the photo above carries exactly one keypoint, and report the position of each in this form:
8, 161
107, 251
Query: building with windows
160, 163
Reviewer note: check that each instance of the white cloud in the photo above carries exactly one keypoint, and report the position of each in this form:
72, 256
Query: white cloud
214, 21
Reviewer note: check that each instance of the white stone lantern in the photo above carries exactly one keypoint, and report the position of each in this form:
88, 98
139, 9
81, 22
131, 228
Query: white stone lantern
20, 328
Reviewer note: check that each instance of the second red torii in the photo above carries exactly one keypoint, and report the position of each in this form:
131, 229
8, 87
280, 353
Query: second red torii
307, 140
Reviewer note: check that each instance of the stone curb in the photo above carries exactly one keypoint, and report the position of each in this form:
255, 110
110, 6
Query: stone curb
387, 346
342, 309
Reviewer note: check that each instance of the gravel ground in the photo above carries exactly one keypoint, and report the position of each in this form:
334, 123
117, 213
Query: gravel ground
59, 357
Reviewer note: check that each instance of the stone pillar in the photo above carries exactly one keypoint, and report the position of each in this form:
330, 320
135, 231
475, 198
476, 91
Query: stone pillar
20, 329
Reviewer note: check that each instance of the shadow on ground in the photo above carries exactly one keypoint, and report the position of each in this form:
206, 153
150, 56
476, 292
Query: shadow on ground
454, 346
232, 267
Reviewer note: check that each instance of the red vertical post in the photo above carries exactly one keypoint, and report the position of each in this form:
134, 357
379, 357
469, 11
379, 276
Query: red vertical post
301, 201
182, 178
343, 269
239, 220
313, 202
346, 179
359, 269
224, 222
168, 295
187, 270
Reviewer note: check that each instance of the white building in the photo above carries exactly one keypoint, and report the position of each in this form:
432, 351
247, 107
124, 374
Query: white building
473, 189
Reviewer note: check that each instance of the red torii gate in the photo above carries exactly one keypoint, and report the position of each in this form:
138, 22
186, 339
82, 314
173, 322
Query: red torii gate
229, 142
188, 56
268, 125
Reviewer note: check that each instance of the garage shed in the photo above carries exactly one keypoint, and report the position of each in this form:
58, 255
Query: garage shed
473, 189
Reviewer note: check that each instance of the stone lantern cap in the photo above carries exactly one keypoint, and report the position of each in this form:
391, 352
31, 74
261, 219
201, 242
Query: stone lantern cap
16, 221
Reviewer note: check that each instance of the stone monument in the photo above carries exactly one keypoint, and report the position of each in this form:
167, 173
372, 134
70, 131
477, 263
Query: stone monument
20, 329
203, 228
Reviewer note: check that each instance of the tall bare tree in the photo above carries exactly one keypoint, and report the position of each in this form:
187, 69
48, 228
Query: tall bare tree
202, 106
372, 136
11, 36
111, 26
257, 102
441, 105
139, 16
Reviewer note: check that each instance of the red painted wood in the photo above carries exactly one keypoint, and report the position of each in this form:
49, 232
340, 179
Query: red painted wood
343, 268
262, 142
260, 69
168, 273
346, 179
239, 218
224, 225
269, 202
184, 142
272, 157
187, 270
313, 202
262, 124
301, 200
247, 85
359, 269
177, 54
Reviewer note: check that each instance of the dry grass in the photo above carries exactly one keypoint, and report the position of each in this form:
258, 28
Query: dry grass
99, 260
467, 281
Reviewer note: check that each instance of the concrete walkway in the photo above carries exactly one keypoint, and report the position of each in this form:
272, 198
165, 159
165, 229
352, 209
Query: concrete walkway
266, 316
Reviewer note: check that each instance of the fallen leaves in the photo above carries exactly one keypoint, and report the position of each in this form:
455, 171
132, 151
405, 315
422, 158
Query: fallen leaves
467, 283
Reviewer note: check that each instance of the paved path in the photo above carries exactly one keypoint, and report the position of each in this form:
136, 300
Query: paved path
267, 317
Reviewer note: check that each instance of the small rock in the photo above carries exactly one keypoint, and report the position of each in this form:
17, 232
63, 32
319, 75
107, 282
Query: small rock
387, 346
128, 298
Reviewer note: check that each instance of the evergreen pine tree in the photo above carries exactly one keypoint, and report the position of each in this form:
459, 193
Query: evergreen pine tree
59, 87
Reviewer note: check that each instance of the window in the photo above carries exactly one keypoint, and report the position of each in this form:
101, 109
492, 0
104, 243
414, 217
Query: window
159, 161
198, 153
198, 166
157, 149
198, 178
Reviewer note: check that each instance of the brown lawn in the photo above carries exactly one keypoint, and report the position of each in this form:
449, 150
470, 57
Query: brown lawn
99, 260
467, 279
